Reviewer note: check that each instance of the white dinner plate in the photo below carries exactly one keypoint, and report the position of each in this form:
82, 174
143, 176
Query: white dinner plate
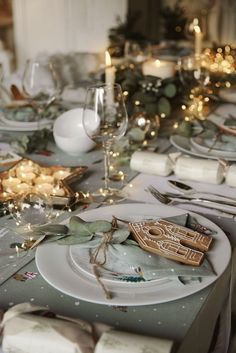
221, 115
184, 145
55, 265
11, 125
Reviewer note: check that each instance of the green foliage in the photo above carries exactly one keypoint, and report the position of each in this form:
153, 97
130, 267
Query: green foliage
82, 228
185, 129
146, 93
35, 142
81, 232
163, 106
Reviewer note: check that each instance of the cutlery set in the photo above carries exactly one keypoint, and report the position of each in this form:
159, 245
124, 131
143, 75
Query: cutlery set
189, 196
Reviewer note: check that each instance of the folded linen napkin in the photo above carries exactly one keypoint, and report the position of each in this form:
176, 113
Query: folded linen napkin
126, 261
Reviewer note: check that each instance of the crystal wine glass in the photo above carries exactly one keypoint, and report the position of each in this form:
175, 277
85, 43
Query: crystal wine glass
105, 120
40, 85
193, 71
195, 76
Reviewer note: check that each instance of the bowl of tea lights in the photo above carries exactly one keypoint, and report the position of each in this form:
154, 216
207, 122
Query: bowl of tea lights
27, 176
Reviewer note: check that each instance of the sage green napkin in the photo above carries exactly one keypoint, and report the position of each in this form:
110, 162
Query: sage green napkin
224, 143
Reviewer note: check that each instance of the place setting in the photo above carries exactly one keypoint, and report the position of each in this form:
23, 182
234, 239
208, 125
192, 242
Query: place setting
117, 180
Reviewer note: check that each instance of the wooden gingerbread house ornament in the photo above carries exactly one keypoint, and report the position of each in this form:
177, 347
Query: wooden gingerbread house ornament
171, 241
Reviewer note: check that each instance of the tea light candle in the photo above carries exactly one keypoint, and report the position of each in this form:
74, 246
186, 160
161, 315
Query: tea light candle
26, 168
44, 179
61, 174
44, 188
10, 182
21, 188
158, 68
27, 177
57, 191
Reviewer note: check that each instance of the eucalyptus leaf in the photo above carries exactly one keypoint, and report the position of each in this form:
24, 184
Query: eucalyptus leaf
119, 236
80, 227
231, 122
53, 228
170, 90
73, 239
99, 226
163, 106
136, 134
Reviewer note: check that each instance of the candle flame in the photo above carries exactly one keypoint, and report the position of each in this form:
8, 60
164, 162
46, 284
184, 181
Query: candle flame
107, 58
197, 29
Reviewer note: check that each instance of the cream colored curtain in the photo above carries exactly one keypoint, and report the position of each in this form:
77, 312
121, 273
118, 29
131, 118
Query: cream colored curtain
222, 22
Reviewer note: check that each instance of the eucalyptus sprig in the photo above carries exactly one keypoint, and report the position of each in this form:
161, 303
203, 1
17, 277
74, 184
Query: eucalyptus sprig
81, 231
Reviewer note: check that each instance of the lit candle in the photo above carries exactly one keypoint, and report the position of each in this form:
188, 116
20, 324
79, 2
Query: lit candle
21, 188
26, 168
44, 179
61, 174
57, 191
110, 70
198, 40
45, 188
10, 183
158, 68
27, 177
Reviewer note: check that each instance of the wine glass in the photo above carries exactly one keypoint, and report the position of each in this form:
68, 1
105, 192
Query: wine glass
193, 71
40, 85
195, 76
105, 120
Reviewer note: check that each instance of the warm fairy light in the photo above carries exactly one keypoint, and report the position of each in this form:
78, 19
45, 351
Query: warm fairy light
222, 60
227, 84
121, 175
137, 102
183, 107
163, 115
130, 185
17, 251
176, 125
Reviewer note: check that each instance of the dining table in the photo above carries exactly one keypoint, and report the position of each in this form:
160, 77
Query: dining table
195, 318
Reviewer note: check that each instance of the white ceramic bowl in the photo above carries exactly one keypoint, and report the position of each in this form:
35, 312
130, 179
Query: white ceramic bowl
69, 134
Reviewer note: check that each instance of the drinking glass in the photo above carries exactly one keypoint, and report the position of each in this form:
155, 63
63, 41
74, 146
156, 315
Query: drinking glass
195, 76
194, 72
40, 85
105, 120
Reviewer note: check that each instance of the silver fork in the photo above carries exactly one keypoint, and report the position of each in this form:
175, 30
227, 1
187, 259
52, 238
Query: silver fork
167, 200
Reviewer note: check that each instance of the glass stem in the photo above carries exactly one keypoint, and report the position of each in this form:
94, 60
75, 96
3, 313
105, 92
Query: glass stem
106, 151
